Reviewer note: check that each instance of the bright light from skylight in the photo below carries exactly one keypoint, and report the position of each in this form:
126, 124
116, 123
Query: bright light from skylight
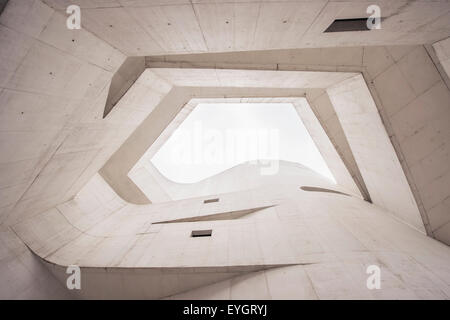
216, 137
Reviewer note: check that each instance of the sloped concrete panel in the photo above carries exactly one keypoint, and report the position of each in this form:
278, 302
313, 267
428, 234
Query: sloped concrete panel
324, 239
373, 151
122, 80
443, 52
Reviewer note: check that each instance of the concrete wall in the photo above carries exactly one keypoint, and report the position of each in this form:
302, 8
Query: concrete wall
410, 93
322, 242
373, 151
442, 49
53, 81
250, 178
416, 102
324, 112
23, 275
54, 84
50, 63
53, 87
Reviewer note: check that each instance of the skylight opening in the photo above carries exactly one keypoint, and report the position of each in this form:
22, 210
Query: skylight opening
345, 25
354, 24
218, 136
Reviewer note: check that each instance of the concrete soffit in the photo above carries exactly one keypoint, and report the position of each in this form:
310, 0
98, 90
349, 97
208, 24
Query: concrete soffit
189, 83
319, 136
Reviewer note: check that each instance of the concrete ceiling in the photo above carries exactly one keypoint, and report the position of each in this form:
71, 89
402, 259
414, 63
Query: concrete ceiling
45, 63
410, 88
140, 27
54, 85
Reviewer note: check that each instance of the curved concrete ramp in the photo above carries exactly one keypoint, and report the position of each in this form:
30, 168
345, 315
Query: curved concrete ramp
122, 253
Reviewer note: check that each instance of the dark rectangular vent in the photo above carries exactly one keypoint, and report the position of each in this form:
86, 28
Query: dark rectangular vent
201, 233
211, 200
343, 25
2, 5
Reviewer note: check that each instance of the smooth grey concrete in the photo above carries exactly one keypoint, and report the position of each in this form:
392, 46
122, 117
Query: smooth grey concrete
419, 133
142, 28
329, 239
54, 86
122, 80
443, 52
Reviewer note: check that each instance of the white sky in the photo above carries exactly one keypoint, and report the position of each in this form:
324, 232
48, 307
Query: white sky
202, 146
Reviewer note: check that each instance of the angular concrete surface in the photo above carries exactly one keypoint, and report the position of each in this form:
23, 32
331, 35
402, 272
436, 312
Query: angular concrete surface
125, 252
55, 209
